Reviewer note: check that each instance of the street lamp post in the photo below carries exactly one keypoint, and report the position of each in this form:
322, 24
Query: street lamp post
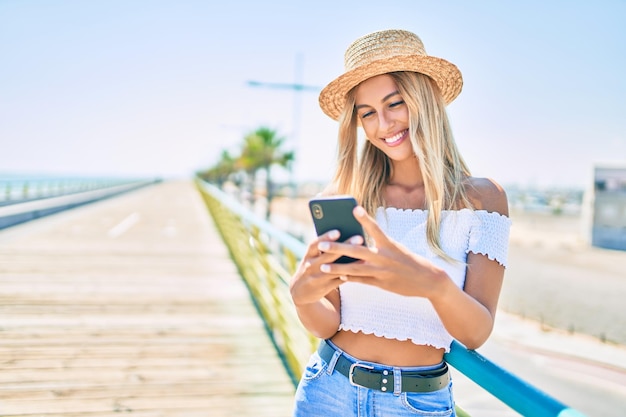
297, 87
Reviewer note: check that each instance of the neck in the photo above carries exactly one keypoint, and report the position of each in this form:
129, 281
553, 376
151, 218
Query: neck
405, 192
407, 176
411, 184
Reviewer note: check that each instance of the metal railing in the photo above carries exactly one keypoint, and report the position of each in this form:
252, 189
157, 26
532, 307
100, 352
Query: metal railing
17, 189
25, 200
267, 257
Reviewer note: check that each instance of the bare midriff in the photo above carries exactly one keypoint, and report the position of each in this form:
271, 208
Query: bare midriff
392, 352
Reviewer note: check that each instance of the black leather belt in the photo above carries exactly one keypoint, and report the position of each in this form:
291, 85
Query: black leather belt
363, 375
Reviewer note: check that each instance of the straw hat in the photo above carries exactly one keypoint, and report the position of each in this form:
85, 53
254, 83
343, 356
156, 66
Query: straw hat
388, 51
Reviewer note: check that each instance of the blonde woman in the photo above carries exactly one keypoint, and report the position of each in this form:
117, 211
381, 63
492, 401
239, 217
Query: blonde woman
437, 242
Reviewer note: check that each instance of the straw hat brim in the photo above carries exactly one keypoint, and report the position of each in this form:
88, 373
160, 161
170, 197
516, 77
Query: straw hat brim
445, 74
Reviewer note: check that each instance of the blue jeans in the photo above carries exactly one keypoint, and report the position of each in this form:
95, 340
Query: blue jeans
324, 392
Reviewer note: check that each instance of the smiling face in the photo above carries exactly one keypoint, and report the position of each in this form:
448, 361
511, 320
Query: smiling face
384, 117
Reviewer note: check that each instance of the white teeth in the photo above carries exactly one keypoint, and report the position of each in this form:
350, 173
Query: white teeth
395, 137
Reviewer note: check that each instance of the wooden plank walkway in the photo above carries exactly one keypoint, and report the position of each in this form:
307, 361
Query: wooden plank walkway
132, 305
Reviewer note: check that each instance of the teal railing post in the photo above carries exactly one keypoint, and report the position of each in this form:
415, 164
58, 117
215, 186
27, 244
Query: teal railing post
510, 389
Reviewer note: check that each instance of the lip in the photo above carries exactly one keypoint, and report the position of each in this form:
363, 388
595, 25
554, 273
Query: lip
398, 138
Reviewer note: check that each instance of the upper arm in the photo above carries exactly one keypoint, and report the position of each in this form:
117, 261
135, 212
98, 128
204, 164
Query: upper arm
335, 299
486, 194
483, 280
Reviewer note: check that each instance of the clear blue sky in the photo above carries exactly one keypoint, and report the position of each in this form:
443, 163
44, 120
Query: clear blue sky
148, 87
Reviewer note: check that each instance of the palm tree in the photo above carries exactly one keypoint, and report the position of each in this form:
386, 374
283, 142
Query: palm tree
261, 150
220, 172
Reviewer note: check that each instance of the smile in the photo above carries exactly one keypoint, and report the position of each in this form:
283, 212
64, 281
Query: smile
395, 138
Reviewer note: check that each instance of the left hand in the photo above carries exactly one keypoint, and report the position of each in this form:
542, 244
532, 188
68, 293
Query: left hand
385, 264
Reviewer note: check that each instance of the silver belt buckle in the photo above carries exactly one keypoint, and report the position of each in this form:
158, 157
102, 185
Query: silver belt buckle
351, 373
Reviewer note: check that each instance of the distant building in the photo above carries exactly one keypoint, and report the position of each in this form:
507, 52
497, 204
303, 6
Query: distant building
609, 208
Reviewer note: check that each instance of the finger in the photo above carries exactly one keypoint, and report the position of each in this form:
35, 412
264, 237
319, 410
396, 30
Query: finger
313, 250
330, 251
326, 258
312, 284
362, 279
314, 263
357, 271
354, 271
345, 248
316, 283
330, 235
369, 225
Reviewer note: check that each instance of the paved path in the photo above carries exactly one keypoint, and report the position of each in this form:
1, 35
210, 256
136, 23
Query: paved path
556, 278
131, 305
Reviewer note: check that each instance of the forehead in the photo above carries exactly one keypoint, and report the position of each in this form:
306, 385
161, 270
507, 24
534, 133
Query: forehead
375, 89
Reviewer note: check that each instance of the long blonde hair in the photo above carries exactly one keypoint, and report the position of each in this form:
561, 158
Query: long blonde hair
442, 167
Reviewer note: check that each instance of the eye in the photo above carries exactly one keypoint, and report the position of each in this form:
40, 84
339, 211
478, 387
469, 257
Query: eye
396, 103
366, 114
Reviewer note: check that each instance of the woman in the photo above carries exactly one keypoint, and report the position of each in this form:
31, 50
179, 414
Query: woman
437, 242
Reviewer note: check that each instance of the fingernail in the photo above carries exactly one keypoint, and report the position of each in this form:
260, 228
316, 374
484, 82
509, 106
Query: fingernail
334, 234
325, 268
323, 246
359, 211
356, 240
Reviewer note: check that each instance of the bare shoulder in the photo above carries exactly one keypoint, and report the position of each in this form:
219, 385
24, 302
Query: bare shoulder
486, 194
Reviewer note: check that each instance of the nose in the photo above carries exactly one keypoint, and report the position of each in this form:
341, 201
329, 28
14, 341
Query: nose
385, 121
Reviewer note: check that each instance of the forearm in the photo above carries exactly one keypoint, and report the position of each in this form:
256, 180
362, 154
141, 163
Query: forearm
321, 318
466, 319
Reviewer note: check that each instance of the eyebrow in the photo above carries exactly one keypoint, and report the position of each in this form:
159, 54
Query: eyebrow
387, 97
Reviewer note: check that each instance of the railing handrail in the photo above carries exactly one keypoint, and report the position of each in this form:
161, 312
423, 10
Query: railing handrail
16, 212
16, 189
507, 387
285, 239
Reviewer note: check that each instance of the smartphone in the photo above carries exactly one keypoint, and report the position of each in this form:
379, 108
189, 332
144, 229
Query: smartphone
335, 212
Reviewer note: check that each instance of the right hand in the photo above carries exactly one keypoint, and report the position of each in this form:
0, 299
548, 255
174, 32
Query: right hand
309, 285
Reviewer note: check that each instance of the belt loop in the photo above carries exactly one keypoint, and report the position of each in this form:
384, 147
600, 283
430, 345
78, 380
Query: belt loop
333, 361
397, 381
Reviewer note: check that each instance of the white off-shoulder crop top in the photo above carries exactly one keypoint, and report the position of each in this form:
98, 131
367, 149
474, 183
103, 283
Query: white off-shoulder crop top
371, 310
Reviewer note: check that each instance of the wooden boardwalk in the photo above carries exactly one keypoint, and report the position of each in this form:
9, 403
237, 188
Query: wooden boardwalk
131, 306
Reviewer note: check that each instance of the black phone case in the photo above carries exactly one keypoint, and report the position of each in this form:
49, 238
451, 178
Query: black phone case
336, 213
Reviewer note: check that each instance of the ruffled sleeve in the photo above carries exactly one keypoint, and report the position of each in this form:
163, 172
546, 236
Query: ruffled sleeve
489, 235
